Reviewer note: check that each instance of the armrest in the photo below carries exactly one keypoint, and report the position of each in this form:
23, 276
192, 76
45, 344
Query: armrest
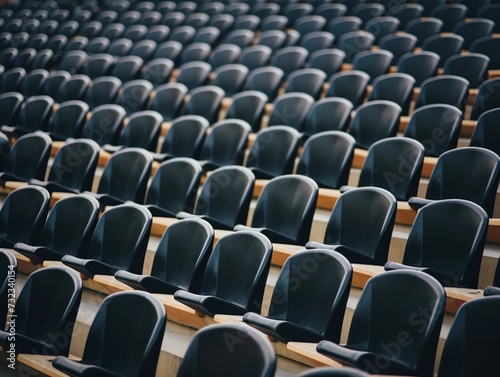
261, 174
77, 369
346, 188
37, 254
417, 203
209, 305
145, 282
112, 148
158, 211
88, 267
491, 291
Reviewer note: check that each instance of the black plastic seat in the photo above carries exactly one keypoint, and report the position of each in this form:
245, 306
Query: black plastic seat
173, 187
445, 46
180, 259
197, 51
273, 22
47, 305
374, 63
135, 32
375, 120
248, 106
209, 354
230, 78
75, 44
274, 39
73, 167
473, 29
125, 177
103, 91
22, 215
157, 71
67, 230
420, 66
273, 152
225, 144
112, 31
173, 19
228, 287
112, 333
240, 37
255, 56
285, 209
355, 42
197, 20
361, 225
73, 61
12, 79
486, 131
294, 315
193, 74
381, 26
120, 47
398, 45
74, 88
168, 100
266, 80
383, 311
10, 103
225, 204
395, 87
264, 9
328, 114
309, 24
469, 173
134, 95
450, 14
224, 54
308, 80
350, 85
447, 241
291, 109
327, 158
472, 67
24, 58
436, 126
317, 41
367, 11
98, 65
28, 158
491, 12
182, 34
423, 28
330, 10
110, 248
97, 45
289, 59
487, 97
205, 101
158, 33
127, 68
104, 125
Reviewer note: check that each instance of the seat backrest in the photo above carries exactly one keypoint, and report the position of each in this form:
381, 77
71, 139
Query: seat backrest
398, 44
394, 164
46, 307
443, 45
334, 372
35, 113
424, 27
472, 67
205, 101
116, 344
295, 295
327, 158
266, 80
174, 185
29, 156
420, 65
328, 114
470, 348
185, 136
226, 195
134, 95
142, 130
123, 249
363, 220
11, 104
104, 125
328, 60
158, 71
350, 85
183, 252
470, 173
237, 269
447, 89
448, 236
473, 29
308, 80
168, 100
291, 109
248, 106
247, 354
486, 131
487, 98
230, 78
395, 87
375, 63
354, 42
395, 303
68, 120
286, 206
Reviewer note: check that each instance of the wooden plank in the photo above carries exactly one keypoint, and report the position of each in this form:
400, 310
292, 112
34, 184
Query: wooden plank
160, 224
428, 167
308, 353
405, 215
363, 272
493, 235
58, 196
55, 146
42, 364
468, 127
24, 264
359, 158
281, 252
110, 284
14, 185
327, 198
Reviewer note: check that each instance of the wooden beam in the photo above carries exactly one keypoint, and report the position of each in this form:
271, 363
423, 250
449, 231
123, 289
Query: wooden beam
307, 351
42, 364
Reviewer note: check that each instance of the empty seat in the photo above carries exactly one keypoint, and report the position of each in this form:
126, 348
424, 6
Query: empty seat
255, 56
47, 305
33, 116
354, 42
350, 85
198, 51
486, 131
266, 80
111, 333
487, 98
112, 31
127, 68
241, 38
318, 40
473, 29
228, 287
157, 71
289, 59
274, 22
104, 125
134, 95
375, 63
193, 74
224, 54
331, 113
445, 245
111, 249
205, 101
73, 61
158, 33
135, 32
291, 109
285, 209
197, 20
248, 106
98, 65
180, 259
380, 27
143, 49
230, 78
398, 44
395, 87
120, 47
450, 14
419, 65
182, 34
309, 81
445, 46
12, 79
10, 103
327, 60
383, 311
444, 89
103, 91
423, 28
74, 88
330, 10
490, 12
168, 100
472, 67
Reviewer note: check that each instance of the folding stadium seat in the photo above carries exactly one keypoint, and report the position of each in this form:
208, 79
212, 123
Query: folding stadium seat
143, 6
47, 305
127, 68
229, 288
436, 126
395, 87
246, 22
255, 56
241, 38
487, 97
112, 31
157, 71
367, 11
423, 28
211, 8
5, 40
327, 158
37, 41
452, 90
264, 9
274, 39
33, 116
120, 47
168, 100
473, 7
343, 25
225, 144
64, 232
180, 259
24, 58
491, 12
82, 15
102, 91
104, 125
197, 20
449, 14
308, 80
476, 319
472, 67
150, 18
184, 137
98, 65
49, 27
173, 187
90, 29
445, 46
33, 82
134, 95
478, 185
110, 335
76, 43
54, 82
74, 88
375, 63
8, 263
389, 293
488, 46
291, 109
158, 33
194, 74
453, 257
251, 355
273, 22
97, 45
308, 24
165, 6
293, 315
173, 19
289, 59
237, 9
135, 32
294, 11
230, 78
197, 51
330, 11
380, 27
248, 106
317, 41
10, 103
205, 101
182, 34
355, 42
142, 131
485, 133
327, 60
73, 61
168, 50
225, 197
19, 40
350, 85
186, 7
7, 57
224, 54
12, 79
13, 25
266, 80
473, 29
68, 120
143, 49
419, 65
